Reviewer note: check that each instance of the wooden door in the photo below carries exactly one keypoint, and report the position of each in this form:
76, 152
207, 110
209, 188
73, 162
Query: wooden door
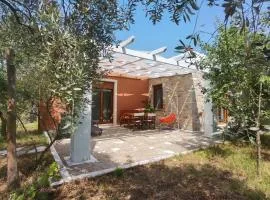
102, 106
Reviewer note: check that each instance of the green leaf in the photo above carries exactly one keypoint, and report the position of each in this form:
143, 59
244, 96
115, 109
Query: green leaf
187, 16
194, 5
179, 47
182, 43
189, 10
194, 41
185, 20
189, 36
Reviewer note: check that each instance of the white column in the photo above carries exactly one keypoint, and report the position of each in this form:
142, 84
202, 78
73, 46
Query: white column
208, 118
81, 138
208, 114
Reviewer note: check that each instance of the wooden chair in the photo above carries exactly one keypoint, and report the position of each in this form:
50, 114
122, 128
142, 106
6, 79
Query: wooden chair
137, 120
150, 120
126, 117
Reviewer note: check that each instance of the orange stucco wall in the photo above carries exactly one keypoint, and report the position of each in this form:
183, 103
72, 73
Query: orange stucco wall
131, 93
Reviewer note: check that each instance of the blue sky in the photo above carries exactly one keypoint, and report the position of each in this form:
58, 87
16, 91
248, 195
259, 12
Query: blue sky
166, 33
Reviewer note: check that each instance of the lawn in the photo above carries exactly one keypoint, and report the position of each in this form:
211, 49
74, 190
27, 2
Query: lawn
220, 172
225, 171
26, 139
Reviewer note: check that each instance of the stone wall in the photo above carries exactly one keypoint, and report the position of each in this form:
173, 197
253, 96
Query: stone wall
182, 96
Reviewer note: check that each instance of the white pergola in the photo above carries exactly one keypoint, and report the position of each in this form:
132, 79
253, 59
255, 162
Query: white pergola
147, 63
133, 63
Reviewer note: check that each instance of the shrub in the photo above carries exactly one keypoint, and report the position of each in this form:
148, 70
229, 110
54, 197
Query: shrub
118, 172
34, 190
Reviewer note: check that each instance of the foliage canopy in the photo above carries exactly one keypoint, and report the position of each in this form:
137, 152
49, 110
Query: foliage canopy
235, 66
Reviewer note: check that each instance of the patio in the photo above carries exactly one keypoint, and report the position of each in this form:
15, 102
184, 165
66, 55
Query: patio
121, 147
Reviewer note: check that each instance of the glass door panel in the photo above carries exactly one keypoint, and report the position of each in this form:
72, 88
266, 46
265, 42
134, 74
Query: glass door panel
96, 104
107, 107
102, 105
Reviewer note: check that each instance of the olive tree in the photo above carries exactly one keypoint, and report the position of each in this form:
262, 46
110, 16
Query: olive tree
57, 52
238, 70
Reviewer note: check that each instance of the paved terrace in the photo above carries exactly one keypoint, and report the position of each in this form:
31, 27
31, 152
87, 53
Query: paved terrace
121, 147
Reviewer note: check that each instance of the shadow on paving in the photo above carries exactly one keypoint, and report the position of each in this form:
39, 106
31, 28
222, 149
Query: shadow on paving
122, 132
127, 155
159, 181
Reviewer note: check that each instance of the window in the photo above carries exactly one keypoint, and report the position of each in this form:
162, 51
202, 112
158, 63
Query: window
158, 96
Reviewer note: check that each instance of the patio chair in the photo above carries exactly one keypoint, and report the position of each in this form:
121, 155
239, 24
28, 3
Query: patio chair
150, 120
137, 121
125, 117
168, 121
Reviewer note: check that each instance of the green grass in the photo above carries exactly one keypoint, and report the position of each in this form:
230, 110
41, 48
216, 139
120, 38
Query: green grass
226, 171
240, 160
24, 139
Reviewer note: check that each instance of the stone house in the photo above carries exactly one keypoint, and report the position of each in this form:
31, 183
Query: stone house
135, 78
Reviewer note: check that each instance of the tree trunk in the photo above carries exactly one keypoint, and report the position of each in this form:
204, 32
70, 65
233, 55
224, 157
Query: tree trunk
258, 141
258, 135
3, 125
12, 170
38, 111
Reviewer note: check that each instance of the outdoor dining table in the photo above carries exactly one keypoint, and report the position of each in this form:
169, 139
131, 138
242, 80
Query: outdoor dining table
140, 120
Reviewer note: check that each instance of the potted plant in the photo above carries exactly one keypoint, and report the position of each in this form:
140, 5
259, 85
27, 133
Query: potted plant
148, 108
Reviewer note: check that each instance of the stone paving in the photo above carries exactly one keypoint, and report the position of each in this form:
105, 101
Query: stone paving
121, 147
25, 150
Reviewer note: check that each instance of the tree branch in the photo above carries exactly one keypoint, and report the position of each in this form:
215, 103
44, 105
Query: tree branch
12, 8
15, 11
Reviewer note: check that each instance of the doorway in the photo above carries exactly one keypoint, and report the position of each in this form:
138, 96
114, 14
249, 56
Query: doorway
102, 103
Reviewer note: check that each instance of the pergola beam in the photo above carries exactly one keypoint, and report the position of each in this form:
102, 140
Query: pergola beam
157, 52
125, 43
179, 59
